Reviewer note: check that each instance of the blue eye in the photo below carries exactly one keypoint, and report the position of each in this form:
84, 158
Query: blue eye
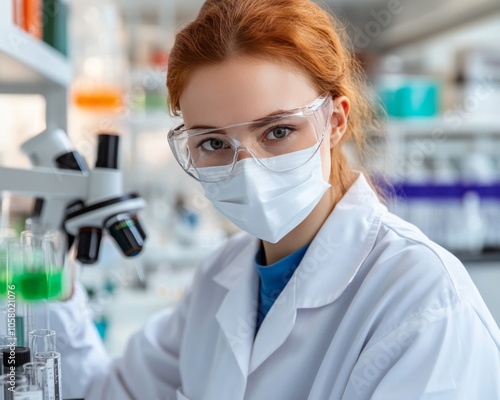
278, 133
212, 144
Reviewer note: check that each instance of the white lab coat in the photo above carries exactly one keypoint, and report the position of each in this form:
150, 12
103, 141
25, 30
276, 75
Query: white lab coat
375, 310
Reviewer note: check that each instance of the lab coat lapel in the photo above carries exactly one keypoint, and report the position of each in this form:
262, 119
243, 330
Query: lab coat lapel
238, 310
276, 326
340, 247
329, 265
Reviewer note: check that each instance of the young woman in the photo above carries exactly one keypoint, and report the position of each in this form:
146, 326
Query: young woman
325, 295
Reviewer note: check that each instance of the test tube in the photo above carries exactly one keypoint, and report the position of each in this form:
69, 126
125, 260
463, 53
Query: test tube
7, 236
38, 282
3, 318
37, 387
33, 224
42, 341
4, 281
33, 280
15, 313
28, 392
42, 278
52, 361
9, 383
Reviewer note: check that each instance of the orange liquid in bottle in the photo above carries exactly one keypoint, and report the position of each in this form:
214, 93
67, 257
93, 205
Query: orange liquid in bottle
98, 98
32, 17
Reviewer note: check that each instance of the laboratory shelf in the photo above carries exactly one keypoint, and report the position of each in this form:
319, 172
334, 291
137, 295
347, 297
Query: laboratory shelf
490, 257
447, 126
436, 191
26, 62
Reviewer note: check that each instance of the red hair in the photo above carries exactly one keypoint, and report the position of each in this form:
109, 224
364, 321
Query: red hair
297, 32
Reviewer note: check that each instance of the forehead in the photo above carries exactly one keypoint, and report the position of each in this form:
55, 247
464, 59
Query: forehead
243, 89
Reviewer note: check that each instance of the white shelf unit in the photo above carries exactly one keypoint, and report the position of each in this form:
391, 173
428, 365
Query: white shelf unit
432, 41
412, 140
451, 126
30, 66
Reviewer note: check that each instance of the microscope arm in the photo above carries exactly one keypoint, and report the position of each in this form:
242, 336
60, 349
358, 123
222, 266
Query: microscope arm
61, 186
44, 182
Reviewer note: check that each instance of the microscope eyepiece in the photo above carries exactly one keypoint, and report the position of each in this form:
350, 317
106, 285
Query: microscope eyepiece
107, 151
71, 160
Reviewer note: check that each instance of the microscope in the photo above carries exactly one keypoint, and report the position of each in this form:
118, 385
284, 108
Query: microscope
70, 196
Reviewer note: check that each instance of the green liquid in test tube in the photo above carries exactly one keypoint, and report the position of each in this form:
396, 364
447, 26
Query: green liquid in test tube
41, 276
36, 285
7, 239
3, 287
40, 285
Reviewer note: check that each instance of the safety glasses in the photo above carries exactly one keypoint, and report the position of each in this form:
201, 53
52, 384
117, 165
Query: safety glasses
203, 150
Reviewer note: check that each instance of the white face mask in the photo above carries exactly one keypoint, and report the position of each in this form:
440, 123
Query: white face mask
264, 203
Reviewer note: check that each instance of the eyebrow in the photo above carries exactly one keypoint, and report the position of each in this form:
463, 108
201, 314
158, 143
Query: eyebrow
256, 124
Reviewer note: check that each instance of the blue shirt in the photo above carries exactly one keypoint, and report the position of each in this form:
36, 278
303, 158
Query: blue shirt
273, 278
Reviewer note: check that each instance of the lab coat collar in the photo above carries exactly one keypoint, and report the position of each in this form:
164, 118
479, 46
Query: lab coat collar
340, 247
329, 265
237, 313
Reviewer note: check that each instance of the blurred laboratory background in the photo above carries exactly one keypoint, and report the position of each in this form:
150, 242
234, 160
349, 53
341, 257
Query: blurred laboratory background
91, 66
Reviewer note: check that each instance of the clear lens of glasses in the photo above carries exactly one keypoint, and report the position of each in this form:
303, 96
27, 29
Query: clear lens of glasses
265, 140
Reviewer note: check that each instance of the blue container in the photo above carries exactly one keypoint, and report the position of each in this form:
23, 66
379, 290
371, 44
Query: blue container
410, 97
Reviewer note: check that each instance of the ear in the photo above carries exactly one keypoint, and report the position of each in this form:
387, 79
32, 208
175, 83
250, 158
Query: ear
338, 121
